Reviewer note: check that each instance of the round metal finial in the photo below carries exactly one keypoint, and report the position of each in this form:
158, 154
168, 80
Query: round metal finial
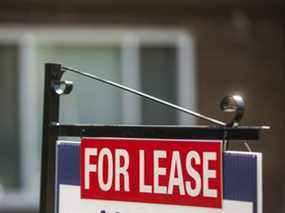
233, 103
63, 87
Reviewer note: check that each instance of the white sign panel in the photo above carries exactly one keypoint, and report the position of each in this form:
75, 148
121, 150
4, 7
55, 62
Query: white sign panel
81, 168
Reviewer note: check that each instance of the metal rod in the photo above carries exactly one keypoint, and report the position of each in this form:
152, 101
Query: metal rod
156, 131
150, 97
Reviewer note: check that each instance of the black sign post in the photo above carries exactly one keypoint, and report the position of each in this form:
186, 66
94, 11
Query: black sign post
52, 128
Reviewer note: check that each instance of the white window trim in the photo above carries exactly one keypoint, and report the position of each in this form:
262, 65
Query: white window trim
28, 197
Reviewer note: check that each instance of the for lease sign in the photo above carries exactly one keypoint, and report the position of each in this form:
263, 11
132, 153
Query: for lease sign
161, 171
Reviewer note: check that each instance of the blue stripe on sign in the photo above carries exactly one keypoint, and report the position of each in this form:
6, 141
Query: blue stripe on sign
68, 163
239, 172
240, 177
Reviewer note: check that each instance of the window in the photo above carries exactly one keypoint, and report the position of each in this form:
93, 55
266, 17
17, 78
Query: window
158, 77
9, 122
158, 62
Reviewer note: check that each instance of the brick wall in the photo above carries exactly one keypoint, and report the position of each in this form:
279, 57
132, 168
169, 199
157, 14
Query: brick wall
252, 64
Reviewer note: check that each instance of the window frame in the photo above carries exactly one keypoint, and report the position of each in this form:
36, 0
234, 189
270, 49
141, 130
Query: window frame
129, 40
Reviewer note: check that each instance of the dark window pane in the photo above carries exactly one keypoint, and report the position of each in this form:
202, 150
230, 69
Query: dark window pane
9, 122
158, 77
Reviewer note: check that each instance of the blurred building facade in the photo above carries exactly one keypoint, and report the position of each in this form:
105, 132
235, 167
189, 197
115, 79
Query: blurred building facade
188, 52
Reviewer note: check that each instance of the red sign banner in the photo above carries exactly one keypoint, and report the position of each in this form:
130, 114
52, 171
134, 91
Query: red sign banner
164, 171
